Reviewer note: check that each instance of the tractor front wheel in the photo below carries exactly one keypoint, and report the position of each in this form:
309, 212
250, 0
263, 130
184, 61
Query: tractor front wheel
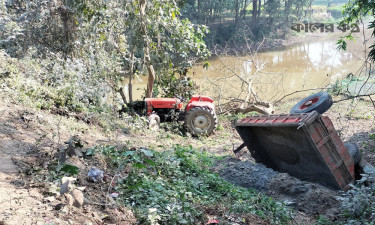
200, 121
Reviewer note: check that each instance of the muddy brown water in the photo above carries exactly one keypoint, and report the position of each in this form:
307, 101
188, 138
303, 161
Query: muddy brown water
275, 72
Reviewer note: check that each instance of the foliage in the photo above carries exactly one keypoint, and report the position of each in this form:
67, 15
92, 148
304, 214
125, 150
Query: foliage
355, 11
172, 86
77, 54
73, 170
336, 12
53, 85
341, 85
261, 19
358, 204
176, 186
322, 220
47, 26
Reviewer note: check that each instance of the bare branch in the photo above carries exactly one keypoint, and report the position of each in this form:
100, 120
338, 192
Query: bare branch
352, 97
373, 103
295, 92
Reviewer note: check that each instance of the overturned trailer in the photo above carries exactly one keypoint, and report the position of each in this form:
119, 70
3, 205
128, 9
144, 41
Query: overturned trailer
304, 145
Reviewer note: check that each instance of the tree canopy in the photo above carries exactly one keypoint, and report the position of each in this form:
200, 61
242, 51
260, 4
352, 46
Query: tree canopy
110, 40
355, 11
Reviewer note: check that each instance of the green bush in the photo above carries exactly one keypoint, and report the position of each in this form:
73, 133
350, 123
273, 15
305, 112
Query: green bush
171, 85
358, 204
175, 187
51, 83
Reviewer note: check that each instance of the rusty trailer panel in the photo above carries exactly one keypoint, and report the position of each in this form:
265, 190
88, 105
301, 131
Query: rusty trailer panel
306, 146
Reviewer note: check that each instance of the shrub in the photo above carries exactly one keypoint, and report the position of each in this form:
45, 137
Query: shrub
176, 186
358, 204
52, 83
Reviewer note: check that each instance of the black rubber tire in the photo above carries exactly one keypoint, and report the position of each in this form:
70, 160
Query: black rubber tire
320, 102
191, 120
354, 152
153, 122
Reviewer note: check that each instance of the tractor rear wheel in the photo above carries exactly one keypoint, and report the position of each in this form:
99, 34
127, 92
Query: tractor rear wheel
354, 152
200, 121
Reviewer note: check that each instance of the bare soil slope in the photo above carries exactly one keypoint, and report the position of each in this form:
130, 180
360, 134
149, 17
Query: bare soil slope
28, 140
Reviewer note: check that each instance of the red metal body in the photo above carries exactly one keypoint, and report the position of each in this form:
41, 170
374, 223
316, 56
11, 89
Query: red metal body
306, 146
200, 101
175, 103
162, 103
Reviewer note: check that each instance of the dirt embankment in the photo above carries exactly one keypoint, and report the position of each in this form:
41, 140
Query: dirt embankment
28, 143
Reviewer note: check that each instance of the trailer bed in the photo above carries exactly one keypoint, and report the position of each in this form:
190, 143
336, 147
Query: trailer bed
306, 146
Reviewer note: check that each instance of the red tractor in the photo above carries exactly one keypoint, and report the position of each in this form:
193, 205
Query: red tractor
199, 114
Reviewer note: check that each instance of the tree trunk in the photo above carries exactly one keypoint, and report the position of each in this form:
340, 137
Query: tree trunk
298, 12
287, 9
255, 12
211, 14
131, 78
151, 74
121, 91
259, 8
199, 9
244, 9
146, 50
236, 18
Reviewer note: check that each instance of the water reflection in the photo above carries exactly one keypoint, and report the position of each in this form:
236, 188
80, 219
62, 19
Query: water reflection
280, 71
277, 72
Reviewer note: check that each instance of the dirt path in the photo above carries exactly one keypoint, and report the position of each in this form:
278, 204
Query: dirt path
28, 140
19, 205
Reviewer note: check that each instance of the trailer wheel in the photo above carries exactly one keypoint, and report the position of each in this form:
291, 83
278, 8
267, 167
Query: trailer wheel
200, 121
153, 122
354, 152
319, 102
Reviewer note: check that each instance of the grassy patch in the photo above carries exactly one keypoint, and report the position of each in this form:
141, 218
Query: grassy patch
177, 187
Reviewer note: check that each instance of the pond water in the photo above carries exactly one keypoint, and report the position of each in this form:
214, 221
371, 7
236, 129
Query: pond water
277, 72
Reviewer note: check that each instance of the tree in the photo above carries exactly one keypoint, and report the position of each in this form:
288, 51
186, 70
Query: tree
355, 11
237, 9
48, 26
150, 68
89, 47
170, 44
255, 12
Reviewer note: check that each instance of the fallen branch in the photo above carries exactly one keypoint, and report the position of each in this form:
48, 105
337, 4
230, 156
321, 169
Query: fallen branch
254, 108
357, 96
235, 105
295, 92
